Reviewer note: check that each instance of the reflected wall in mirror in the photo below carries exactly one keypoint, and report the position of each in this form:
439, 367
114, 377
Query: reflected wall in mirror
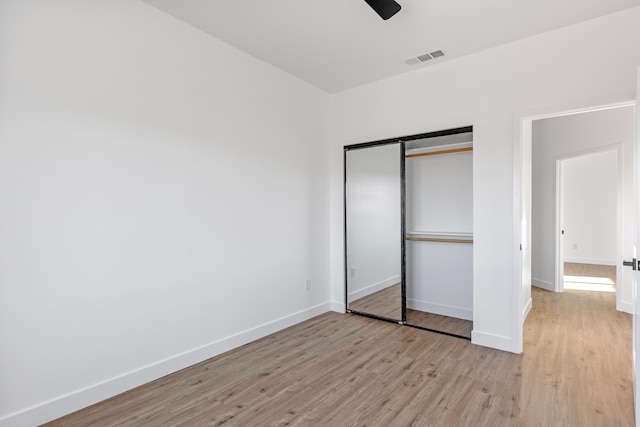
374, 230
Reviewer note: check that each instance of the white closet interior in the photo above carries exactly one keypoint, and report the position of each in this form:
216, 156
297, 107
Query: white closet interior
439, 225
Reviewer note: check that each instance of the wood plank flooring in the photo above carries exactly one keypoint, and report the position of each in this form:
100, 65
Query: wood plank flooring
591, 277
590, 270
436, 322
388, 303
347, 370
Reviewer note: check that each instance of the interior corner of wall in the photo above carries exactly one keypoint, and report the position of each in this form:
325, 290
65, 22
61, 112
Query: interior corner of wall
338, 307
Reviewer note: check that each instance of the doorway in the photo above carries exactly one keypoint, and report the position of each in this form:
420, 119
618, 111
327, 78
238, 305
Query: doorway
585, 149
522, 208
588, 216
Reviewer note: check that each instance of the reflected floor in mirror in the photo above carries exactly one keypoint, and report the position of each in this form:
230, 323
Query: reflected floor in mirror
385, 303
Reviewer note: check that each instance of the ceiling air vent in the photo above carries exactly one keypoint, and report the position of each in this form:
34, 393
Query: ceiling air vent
424, 58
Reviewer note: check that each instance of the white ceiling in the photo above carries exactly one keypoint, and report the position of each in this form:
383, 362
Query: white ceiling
339, 44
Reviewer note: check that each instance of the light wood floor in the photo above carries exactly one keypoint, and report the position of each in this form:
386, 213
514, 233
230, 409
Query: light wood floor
348, 370
590, 277
447, 324
388, 303
592, 270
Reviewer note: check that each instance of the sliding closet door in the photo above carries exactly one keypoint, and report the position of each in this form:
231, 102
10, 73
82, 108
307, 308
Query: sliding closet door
374, 230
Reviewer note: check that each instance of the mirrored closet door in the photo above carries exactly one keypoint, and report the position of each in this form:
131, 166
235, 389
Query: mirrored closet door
409, 230
374, 233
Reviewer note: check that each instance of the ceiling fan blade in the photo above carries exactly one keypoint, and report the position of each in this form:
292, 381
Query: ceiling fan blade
385, 8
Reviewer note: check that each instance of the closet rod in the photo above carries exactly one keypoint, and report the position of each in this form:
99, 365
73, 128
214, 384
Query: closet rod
435, 153
433, 239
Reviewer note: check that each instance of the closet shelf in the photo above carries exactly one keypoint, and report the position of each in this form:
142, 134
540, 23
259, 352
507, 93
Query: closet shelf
435, 153
440, 236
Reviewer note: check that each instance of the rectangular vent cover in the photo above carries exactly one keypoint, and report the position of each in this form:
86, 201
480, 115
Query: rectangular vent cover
425, 57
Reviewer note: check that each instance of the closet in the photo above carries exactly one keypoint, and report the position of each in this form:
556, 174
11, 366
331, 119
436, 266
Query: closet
409, 230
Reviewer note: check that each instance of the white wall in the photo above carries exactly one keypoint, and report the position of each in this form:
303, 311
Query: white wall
440, 193
163, 198
565, 137
440, 278
374, 230
590, 185
488, 90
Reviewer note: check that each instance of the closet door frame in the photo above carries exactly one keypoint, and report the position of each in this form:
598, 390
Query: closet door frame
401, 141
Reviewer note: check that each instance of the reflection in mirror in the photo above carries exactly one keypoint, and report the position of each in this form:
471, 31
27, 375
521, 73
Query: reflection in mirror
373, 230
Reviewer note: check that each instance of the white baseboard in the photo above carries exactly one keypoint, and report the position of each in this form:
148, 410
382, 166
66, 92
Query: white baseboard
625, 307
595, 261
441, 309
338, 307
543, 284
490, 340
527, 309
82, 398
370, 289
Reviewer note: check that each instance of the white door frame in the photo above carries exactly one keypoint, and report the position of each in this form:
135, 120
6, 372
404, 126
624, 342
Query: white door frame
635, 301
522, 198
559, 262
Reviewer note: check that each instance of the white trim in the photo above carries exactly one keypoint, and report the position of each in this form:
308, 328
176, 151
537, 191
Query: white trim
625, 100
84, 397
499, 342
544, 284
635, 302
521, 137
559, 226
441, 309
527, 309
625, 307
371, 289
620, 283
